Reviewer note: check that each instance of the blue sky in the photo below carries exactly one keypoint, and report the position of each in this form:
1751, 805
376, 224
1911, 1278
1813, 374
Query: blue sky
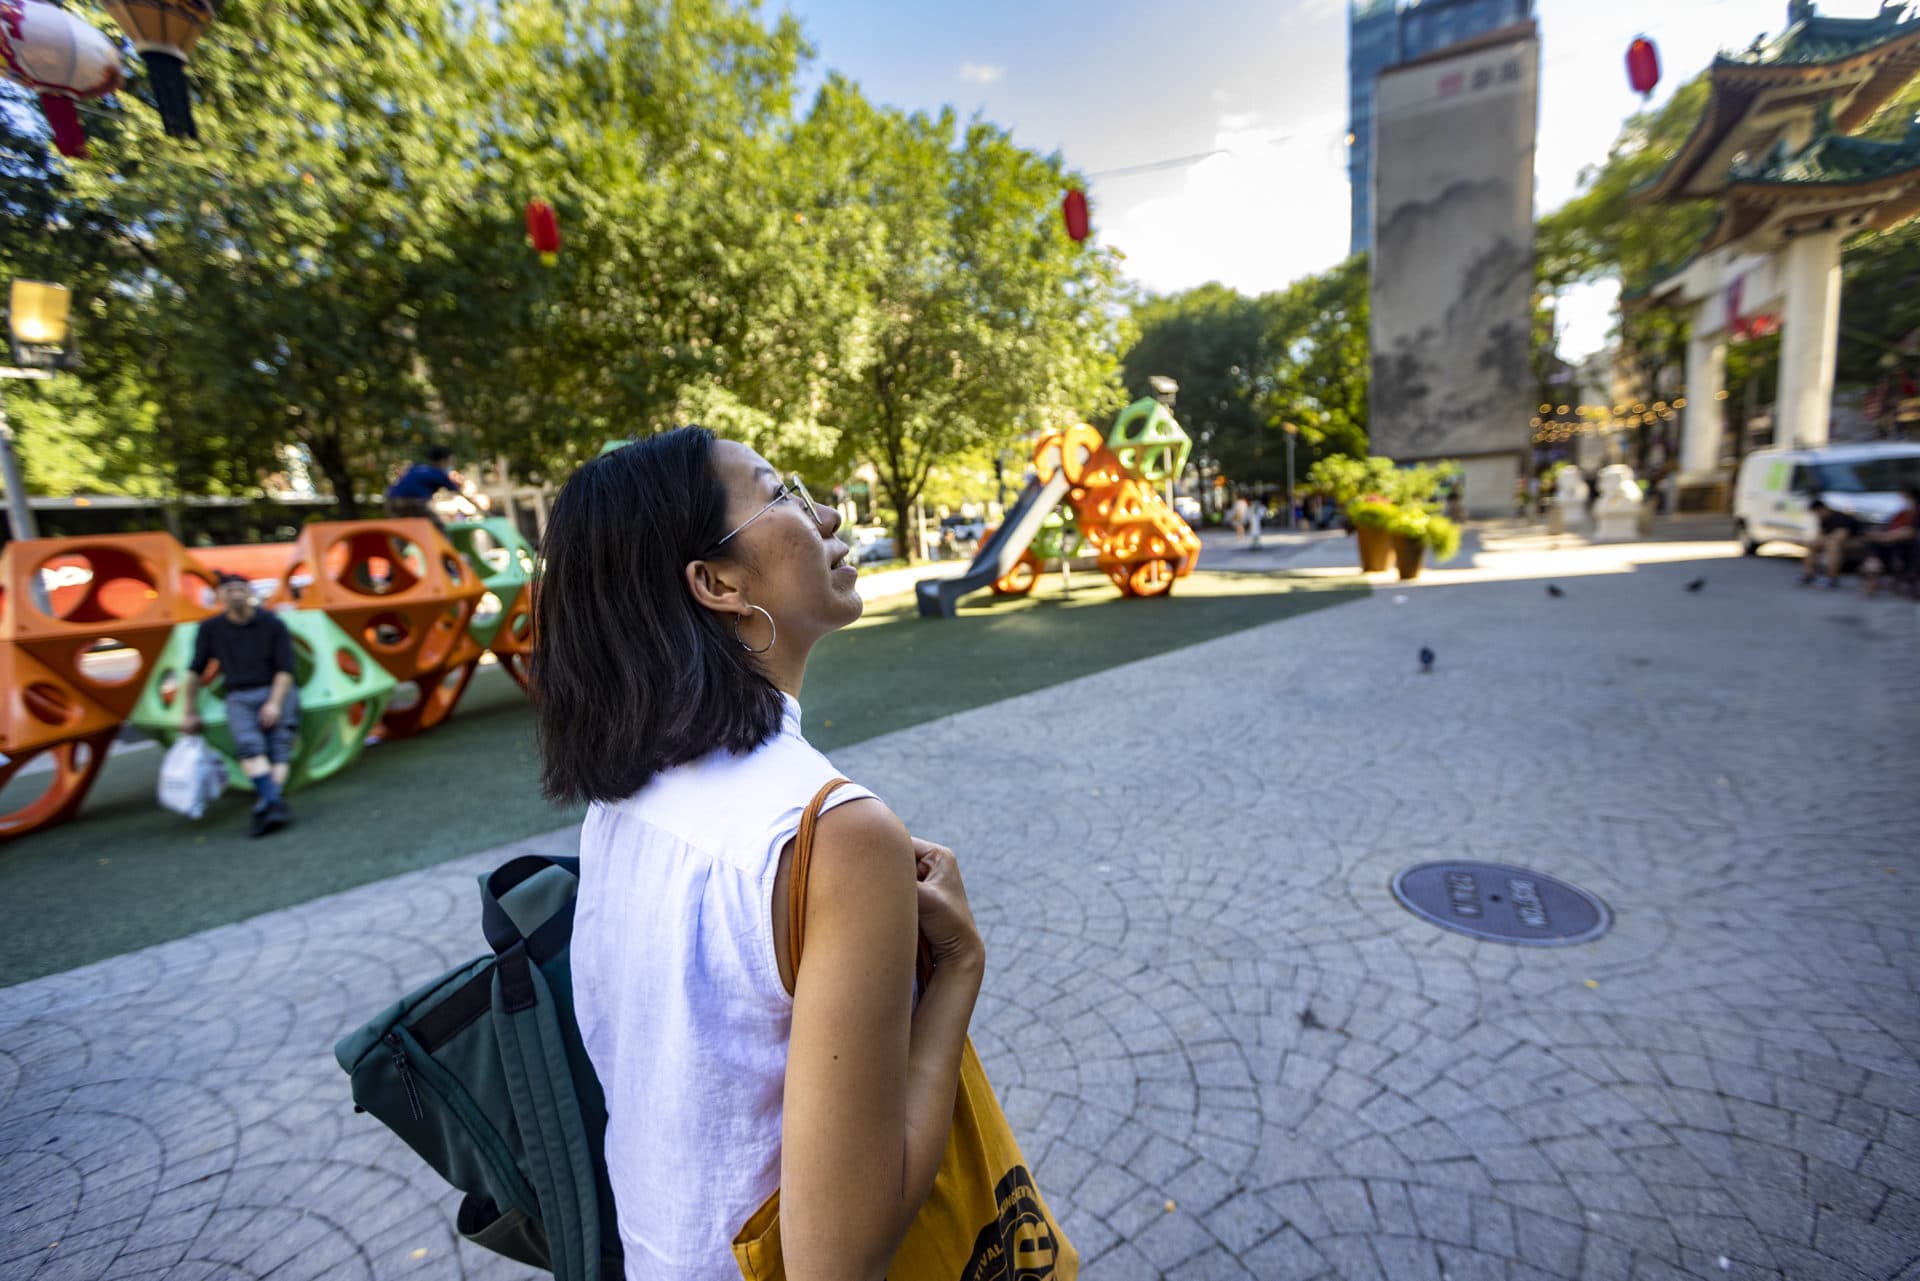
1129, 82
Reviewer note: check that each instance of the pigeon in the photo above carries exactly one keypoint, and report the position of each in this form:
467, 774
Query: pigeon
1554, 592
1696, 584
1426, 659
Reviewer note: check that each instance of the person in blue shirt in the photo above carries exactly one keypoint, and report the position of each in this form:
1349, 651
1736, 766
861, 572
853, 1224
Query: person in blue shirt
412, 494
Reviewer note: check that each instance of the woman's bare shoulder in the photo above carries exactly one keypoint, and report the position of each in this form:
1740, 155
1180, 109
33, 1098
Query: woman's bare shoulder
862, 828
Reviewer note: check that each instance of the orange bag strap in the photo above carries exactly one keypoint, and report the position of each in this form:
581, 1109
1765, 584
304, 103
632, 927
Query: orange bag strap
797, 887
802, 862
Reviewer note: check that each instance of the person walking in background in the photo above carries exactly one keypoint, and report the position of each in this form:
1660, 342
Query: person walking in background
412, 495
255, 653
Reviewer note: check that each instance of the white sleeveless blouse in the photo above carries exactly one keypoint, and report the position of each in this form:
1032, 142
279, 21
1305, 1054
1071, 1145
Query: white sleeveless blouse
679, 998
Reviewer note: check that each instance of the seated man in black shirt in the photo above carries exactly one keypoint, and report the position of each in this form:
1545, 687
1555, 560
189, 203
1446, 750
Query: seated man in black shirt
255, 653
1829, 549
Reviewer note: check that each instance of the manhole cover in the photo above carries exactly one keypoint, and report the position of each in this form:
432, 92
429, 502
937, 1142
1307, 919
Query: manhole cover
1501, 903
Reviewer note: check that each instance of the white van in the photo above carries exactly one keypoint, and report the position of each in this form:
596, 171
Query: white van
1773, 489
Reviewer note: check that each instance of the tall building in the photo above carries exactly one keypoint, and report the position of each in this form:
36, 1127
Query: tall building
1384, 33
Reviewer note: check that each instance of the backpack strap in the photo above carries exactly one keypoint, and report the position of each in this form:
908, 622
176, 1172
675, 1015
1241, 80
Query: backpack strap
504, 928
534, 1059
533, 1055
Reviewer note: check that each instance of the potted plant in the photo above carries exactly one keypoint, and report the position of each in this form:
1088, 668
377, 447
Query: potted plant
1415, 533
1372, 518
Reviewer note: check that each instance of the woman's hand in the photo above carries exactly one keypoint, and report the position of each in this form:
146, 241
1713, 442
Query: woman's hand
946, 919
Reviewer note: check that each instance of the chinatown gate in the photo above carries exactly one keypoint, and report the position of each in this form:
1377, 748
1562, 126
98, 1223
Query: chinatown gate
1774, 148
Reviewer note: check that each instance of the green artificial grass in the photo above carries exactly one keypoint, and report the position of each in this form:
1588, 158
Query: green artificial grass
126, 873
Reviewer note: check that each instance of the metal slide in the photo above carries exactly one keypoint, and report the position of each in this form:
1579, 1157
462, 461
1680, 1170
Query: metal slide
940, 597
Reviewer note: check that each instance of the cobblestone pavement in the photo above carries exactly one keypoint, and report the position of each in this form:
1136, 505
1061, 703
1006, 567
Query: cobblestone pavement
1229, 1052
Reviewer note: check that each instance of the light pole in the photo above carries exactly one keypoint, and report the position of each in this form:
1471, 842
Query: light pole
42, 340
1164, 390
1291, 431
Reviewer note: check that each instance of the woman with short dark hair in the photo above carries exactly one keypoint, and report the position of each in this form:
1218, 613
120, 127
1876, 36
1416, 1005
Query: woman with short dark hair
685, 585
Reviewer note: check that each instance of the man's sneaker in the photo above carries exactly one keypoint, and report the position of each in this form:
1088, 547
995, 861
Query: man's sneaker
262, 821
278, 816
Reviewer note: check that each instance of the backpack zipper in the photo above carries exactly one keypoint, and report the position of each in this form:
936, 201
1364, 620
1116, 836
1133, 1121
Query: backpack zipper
399, 1052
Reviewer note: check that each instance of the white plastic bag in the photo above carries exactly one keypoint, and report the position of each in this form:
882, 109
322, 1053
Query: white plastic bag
191, 775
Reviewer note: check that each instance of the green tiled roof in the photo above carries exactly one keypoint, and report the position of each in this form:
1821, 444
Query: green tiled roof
1835, 158
1816, 39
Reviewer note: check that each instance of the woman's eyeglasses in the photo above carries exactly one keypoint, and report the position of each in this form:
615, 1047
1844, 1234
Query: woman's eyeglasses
792, 489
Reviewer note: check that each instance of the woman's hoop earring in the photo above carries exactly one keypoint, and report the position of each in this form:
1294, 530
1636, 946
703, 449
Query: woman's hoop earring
772, 631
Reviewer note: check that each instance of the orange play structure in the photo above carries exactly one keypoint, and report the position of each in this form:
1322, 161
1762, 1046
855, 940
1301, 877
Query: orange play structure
255, 562
513, 643
81, 622
1143, 544
401, 589
85, 622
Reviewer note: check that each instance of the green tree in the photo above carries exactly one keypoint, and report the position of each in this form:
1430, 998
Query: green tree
1319, 332
340, 264
272, 275
682, 265
1605, 233
1213, 341
103, 428
970, 320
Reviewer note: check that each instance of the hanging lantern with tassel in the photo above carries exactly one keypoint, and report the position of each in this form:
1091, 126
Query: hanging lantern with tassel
61, 58
543, 229
164, 32
1643, 66
1074, 210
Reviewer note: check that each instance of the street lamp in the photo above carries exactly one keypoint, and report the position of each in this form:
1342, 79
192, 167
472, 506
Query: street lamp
1164, 390
40, 335
1291, 435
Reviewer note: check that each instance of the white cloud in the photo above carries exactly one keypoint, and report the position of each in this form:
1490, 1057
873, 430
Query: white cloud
1271, 209
980, 73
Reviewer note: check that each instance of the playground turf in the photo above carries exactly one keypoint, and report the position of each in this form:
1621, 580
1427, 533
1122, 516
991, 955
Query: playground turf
126, 873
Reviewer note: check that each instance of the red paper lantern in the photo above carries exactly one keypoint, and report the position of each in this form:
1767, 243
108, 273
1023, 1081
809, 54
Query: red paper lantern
61, 58
543, 229
1074, 210
1643, 66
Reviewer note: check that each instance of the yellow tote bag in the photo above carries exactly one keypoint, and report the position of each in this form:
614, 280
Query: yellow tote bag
984, 1220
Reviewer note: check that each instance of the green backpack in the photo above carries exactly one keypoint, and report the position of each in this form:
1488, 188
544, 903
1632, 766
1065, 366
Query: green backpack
483, 1073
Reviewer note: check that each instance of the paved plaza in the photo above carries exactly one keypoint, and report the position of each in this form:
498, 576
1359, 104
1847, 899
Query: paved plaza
1228, 1051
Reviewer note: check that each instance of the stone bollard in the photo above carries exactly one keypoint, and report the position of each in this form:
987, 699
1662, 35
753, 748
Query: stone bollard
1617, 513
1569, 502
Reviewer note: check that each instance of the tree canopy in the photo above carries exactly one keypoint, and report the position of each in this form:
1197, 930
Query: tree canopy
1247, 367
339, 266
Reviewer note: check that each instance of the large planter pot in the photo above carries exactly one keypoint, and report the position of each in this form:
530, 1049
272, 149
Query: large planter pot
1409, 552
1376, 549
